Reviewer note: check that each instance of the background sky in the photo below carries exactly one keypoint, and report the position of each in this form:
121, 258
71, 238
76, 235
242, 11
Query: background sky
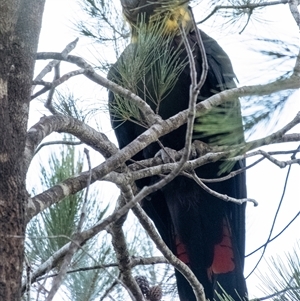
265, 181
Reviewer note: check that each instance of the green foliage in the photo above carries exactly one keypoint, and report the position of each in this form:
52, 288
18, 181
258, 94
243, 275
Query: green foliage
56, 224
66, 105
226, 297
141, 58
222, 125
282, 281
89, 279
53, 228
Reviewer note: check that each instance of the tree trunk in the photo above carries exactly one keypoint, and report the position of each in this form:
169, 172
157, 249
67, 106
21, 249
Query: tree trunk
20, 24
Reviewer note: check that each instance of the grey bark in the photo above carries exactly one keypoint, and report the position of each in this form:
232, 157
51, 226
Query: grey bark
20, 24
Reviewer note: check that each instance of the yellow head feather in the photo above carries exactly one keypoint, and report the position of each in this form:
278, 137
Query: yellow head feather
173, 17
179, 16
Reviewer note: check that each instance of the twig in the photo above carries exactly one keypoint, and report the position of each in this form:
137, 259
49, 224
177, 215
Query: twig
276, 236
62, 142
280, 164
273, 223
102, 144
90, 73
42, 286
178, 264
48, 104
250, 6
40, 92
134, 261
67, 124
249, 13
53, 63
84, 205
73, 247
272, 153
56, 82
232, 173
203, 57
108, 290
223, 197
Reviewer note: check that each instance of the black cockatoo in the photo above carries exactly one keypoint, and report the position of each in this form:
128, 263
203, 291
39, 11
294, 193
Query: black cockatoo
206, 233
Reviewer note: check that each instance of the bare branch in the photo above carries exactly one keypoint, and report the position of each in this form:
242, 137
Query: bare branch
134, 261
53, 63
71, 186
275, 137
48, 104
83, 215
122, 254
292, 82
203, 56
223, 197
56, 82
66, 124
289, 138
73, 247
90, 73
249, 6
61, 142
293, 4
280, 164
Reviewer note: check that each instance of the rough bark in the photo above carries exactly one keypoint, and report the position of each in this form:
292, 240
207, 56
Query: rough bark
20, 24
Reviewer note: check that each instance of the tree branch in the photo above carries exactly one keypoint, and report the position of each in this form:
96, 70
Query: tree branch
134, 261
90, 73
67, 124
56, 82
168, 254
61, 142
249, 6
120, 247
291, 82
293, 4
220, 196
71, 186
53, 63
280, 164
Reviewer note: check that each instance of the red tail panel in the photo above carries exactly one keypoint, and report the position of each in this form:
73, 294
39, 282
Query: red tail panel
223, 261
